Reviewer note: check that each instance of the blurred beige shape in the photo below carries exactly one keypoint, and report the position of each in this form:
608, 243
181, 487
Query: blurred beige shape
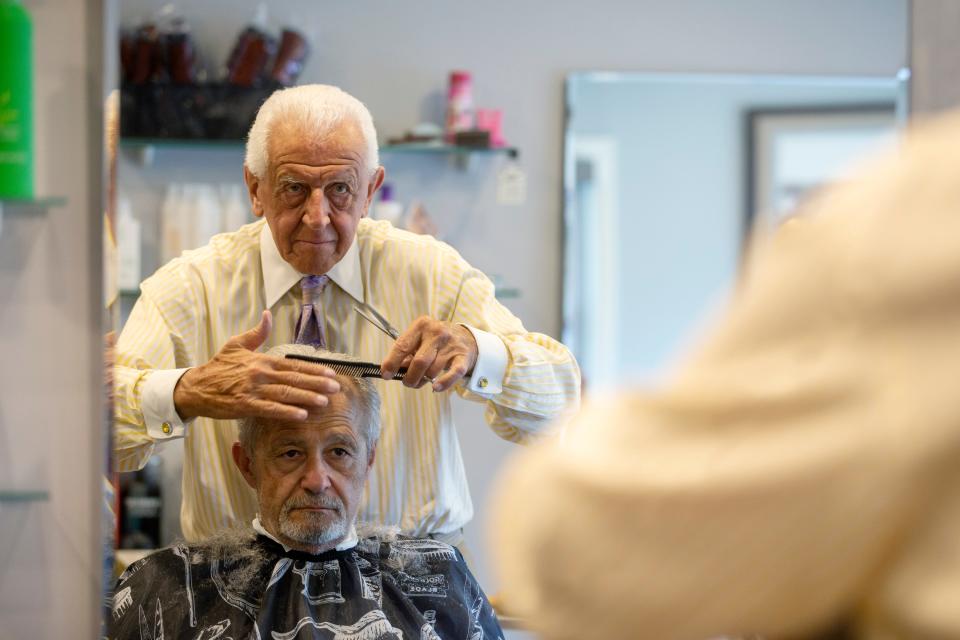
802, 469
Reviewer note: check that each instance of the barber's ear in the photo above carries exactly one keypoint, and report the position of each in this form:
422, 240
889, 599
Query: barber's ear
244, 464
253, 184
375, 183
371, 456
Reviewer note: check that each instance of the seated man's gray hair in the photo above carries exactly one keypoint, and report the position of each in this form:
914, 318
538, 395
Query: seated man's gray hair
362, 393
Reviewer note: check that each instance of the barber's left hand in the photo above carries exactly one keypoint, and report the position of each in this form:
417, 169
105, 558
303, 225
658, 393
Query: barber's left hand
430, 348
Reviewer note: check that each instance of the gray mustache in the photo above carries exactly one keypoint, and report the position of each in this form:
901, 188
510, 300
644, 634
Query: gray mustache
318, 501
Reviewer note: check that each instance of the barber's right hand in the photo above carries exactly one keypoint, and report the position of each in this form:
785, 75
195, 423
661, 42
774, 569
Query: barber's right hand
239, 382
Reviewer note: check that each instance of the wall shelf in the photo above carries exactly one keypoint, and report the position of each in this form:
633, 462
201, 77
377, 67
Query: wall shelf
31, 205
28, 206
500, 293
145, 148
431, 148
8, 496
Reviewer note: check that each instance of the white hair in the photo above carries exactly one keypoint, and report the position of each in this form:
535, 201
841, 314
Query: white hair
318, 109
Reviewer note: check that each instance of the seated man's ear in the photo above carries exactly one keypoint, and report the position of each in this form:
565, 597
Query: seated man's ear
371, 455
245, 464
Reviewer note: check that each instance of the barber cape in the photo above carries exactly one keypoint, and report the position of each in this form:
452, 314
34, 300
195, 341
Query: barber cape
243, 585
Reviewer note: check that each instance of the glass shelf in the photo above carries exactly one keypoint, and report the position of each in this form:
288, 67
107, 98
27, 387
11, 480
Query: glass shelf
182, 143
31, 204
425, 147
11, 496
204, 143
501, 293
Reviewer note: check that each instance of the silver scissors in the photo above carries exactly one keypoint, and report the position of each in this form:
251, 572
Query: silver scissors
378, 320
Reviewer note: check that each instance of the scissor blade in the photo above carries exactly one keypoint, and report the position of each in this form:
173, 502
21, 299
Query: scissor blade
383, 322
374, 322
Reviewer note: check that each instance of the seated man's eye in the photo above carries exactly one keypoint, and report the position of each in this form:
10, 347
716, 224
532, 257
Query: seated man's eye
341, 189
340, 452
295, 189
292, 453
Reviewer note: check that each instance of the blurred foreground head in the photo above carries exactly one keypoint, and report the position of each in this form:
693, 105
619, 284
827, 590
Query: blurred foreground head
800, 474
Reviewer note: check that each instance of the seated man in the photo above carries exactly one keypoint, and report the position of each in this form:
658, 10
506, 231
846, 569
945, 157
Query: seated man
301, 570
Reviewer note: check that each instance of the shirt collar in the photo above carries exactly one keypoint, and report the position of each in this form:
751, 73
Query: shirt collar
279, 277
348, 542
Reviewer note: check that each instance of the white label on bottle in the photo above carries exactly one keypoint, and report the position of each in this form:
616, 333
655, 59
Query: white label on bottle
511, 185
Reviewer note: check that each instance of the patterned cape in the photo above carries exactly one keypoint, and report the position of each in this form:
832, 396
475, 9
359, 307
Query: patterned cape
246, 586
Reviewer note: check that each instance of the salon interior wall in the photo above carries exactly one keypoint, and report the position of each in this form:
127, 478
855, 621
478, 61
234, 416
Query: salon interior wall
50, 341
934, 55
680, 237
395, 57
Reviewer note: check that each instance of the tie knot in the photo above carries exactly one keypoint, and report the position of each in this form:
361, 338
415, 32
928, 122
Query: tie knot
312, 287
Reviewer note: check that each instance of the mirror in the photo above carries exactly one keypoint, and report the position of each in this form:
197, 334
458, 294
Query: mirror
665, 174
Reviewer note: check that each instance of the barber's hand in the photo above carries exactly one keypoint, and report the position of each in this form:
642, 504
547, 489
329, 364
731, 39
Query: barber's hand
239, 382
429, 348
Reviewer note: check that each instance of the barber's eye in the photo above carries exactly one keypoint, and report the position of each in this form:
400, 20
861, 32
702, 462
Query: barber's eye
294, 188
341, 189
292, 453
340, 452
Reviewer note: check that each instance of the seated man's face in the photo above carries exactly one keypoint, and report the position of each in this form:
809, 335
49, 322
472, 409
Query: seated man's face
309, 476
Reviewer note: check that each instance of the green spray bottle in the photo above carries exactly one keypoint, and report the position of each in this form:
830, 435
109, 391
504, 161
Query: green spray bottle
16, 102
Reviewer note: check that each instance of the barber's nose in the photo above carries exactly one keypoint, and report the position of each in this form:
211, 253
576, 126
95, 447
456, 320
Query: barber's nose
317, 212
316, 477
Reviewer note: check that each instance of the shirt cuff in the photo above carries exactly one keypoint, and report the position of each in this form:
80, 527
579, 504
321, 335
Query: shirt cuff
487, 377
159, 412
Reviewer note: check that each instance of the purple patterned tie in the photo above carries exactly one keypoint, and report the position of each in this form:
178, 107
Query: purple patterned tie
310, 325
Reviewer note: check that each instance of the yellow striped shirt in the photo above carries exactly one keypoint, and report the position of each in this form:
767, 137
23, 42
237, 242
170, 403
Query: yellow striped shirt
191, 306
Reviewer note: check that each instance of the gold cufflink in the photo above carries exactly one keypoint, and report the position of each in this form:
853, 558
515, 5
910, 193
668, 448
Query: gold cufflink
165, 427
482, 383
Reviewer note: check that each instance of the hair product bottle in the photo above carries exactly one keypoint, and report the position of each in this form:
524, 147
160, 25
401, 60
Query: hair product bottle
16, 108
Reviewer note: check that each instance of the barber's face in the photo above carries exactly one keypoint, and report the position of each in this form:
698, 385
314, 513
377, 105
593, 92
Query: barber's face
309, 476
314, 194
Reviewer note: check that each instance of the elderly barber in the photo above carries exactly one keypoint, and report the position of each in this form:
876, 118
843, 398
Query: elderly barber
302, 568
188, 361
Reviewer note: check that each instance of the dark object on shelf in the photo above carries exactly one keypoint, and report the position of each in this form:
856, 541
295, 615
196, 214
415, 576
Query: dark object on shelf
289, 62
146, 60
409, 138
153, 55
248, 60
205, 111
472, 138
180, 54
141, 506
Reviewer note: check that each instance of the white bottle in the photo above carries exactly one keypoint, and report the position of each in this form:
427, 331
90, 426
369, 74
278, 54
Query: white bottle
207, 214
128, 246
171, 233
386, 208
236, 207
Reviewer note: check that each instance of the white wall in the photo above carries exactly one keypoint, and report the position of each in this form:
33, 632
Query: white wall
681, 146
51, 381
395, 57
934, 54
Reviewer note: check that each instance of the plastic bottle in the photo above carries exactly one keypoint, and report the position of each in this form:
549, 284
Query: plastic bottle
172, 235
236, 207
207, 215
459, 105
386, 208
128, 249
16, 102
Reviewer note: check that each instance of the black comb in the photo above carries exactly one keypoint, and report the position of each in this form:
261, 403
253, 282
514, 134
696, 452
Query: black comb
349, 367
